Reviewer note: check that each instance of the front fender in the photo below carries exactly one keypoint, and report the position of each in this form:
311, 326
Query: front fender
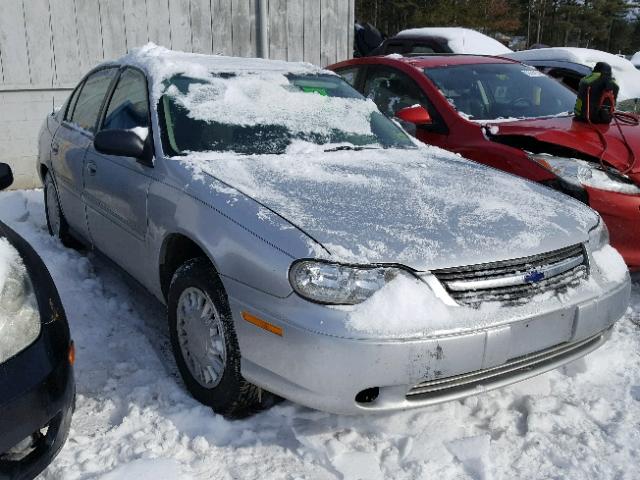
244, 240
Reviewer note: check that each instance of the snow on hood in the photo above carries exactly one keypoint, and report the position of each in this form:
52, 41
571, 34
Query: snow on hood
460, 40
162, 64
625, 73
424, 207
18, 304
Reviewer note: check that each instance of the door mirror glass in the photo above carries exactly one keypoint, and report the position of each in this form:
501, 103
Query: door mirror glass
6, 176
123, 143
416, 114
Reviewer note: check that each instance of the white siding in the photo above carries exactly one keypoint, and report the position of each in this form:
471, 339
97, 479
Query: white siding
46, 46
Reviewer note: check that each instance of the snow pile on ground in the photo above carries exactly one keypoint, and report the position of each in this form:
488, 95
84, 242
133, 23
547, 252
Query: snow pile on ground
134, 419
460, 40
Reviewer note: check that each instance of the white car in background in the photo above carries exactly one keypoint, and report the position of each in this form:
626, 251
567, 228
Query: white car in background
441, 40
569, 65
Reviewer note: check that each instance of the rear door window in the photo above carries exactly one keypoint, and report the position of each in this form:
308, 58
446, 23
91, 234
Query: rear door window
394, 47
90, 100
129, 105
419, 48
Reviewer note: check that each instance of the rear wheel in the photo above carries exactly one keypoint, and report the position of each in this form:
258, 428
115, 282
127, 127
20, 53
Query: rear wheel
204, 342
56, 223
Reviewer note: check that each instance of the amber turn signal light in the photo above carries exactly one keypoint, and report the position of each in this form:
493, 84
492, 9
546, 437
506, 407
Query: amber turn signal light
258, 322
72, 353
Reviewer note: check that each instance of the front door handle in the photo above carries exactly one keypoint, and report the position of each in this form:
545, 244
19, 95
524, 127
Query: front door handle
91, 168
55, 148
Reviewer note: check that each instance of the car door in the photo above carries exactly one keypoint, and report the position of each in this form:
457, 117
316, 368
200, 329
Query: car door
116, 187
393, 90
70, 143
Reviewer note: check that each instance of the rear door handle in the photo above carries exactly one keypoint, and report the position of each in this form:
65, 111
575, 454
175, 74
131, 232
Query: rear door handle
55, 148
91, 168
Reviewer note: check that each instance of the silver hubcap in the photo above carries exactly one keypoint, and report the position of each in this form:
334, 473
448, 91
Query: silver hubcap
201, 337
53, 211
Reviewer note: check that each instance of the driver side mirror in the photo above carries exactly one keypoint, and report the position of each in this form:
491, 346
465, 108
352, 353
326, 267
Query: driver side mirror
417, 115
123, 143
6, 176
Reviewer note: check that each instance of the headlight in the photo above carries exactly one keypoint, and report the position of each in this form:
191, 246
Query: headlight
598, 236
582, 173
337, 284
19, 315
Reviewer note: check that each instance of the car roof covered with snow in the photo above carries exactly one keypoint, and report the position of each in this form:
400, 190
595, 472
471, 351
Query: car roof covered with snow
161, 64
460, 40
627, 76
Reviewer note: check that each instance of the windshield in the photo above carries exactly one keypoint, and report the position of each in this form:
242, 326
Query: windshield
265, 113
498, 91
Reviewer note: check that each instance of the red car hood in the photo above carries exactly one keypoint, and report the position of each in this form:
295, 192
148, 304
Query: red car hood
580, 136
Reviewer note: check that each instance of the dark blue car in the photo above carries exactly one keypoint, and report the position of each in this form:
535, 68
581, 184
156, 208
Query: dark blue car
37, 389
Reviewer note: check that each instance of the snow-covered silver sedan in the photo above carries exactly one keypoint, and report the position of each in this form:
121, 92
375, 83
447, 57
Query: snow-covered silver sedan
306, 246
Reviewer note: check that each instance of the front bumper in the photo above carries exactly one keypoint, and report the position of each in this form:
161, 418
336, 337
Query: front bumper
328, 372
621, 213
34, 421
37, 390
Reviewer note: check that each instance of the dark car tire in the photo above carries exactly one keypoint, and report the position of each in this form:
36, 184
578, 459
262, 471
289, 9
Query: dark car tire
56, 223
232, 396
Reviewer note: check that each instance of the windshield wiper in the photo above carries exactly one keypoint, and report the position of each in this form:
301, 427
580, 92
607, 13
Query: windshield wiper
350, 147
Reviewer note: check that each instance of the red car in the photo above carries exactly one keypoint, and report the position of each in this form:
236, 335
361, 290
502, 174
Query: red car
510, 116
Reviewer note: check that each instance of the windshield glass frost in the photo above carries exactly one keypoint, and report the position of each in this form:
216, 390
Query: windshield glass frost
494, 91
266, 113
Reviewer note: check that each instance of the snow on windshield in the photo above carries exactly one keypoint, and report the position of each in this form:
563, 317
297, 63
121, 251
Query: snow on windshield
269, 98
18, 305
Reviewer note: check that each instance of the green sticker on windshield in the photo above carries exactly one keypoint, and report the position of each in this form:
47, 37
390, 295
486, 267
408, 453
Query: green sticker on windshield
320, 90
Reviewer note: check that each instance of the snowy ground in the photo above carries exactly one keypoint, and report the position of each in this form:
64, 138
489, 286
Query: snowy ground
135, 420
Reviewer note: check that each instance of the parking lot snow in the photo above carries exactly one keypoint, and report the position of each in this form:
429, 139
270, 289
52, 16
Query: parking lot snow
135, 420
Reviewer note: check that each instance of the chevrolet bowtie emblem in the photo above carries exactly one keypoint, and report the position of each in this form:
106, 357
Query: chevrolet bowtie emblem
534, 277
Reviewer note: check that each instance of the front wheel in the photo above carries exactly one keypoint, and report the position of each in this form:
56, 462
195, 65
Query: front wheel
204, 342
56, 223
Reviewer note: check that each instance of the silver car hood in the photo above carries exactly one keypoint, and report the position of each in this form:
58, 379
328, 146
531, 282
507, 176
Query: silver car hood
423, 208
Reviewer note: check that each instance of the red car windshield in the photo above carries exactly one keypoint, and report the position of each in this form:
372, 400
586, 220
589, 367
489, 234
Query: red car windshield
494, 91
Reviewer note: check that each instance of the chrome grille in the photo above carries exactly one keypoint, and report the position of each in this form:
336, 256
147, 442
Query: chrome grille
539, 361
514, 282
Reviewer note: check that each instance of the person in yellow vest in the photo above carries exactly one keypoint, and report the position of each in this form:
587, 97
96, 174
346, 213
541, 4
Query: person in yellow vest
597, 95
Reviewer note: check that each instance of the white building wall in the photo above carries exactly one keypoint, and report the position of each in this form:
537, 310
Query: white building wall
21, 115
46, 46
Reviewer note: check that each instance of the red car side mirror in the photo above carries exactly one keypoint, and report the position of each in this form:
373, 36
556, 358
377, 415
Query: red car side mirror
417, 114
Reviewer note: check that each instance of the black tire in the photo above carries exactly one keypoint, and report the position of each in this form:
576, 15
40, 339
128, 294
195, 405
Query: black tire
233, 396
52, 204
